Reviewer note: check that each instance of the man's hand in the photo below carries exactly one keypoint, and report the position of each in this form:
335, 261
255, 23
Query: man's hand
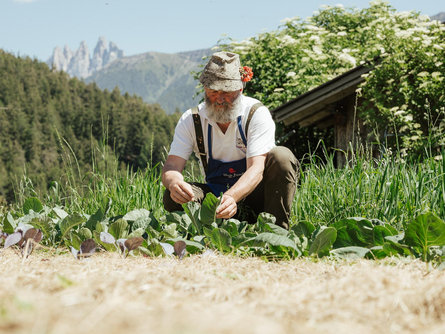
181, 192
227, 208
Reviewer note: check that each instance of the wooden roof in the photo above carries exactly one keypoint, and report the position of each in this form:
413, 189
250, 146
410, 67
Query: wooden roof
317, 105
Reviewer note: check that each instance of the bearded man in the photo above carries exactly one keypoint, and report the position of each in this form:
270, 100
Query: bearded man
233, 136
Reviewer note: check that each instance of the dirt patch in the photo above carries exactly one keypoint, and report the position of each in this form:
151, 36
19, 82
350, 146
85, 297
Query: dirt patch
217, 294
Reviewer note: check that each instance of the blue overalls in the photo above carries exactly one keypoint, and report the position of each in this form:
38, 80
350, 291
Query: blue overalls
223, 175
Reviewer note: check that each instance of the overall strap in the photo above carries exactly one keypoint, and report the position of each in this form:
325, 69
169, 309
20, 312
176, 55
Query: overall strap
251, 112
243, 137
199, 137
209, 140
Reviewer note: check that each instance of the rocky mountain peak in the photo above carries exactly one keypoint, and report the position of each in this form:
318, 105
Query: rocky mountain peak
80, 63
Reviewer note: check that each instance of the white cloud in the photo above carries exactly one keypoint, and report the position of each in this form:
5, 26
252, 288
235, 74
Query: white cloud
25, 1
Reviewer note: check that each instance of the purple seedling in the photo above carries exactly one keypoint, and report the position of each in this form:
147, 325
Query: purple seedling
180, 248
125, 246
87, 248
24, 240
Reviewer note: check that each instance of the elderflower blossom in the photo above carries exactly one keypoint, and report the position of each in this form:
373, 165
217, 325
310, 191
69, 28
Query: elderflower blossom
426, 41
347, 58
315, 38
437, 47
317, 50
341, 33
291, 74
286, 39
404, 33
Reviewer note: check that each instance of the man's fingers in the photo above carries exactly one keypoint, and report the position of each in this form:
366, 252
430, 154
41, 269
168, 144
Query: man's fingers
187, 189
227, 208
180, 195
178, 199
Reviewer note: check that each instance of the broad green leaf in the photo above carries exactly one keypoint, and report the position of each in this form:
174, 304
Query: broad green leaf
75, 240
305, 228
136, 233
377, 252
380, 232
60, 212
70, 222
274, 240
395, 238
101, 227
9, 224
207, 232
97, 217
118, 229
192, 210
208, 209
221, 239
182, 220
231, 227
276, 229
33, 204
351, 252
394, 248
425, 231
170, 231
240, 225
137, 214
323, 241
152, 233
168, 249
263, 220
106, 240
155, 248
354, 231
140, 223
242, 238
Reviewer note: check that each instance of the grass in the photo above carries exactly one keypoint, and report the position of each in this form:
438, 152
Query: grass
388, 189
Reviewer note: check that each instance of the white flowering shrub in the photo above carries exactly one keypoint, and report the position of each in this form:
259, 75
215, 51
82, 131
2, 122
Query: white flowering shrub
405, 93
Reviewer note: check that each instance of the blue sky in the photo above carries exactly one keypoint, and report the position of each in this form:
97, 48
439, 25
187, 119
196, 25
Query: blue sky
35, 27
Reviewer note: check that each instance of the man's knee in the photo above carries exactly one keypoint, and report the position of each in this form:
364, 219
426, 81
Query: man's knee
280, 159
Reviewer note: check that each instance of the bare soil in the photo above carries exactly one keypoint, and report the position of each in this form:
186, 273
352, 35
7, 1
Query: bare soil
58, 294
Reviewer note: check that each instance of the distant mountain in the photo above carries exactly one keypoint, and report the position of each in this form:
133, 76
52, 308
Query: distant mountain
80, 63
156, 77
439, 17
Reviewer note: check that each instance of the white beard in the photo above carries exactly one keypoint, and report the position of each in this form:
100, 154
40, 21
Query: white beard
223, 113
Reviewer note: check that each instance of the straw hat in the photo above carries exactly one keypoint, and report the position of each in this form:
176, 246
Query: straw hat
222, 72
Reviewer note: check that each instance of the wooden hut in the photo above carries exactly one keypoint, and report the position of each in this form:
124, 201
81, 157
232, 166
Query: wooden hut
332, 104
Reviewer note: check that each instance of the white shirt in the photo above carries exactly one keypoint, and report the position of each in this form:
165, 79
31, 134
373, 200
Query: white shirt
227, 146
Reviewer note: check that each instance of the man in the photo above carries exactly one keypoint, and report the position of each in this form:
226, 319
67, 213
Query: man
233, 136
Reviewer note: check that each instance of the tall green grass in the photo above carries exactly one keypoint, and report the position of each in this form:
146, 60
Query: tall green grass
388, 189
80, 191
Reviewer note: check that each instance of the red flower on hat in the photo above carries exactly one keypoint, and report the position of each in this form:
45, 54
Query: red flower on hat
246, 73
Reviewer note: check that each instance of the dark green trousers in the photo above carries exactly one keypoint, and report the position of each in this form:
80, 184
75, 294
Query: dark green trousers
274, 194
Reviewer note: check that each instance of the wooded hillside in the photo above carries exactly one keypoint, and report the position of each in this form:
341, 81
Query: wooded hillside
48, 120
